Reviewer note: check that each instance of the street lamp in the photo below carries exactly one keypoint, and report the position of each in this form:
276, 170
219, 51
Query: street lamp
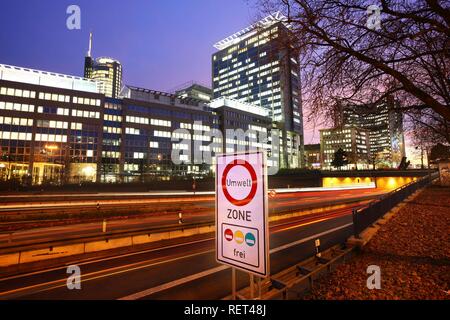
51, 147
2, 166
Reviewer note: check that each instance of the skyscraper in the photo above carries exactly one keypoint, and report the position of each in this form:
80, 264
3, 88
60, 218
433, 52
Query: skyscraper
107, 71
258, 65
385, 126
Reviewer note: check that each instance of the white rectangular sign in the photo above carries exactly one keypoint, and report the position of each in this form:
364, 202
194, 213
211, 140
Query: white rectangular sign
242, 239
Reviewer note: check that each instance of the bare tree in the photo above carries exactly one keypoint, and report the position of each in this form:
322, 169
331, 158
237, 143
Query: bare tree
343, 57
428, 127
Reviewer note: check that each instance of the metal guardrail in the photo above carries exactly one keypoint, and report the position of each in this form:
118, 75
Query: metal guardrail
34, 244
364, 217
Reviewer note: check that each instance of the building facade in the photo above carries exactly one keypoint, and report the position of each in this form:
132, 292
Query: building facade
245, 127
258, 65
194, 90
354, 141
151, 135
385, 126
50, 127
61, 129
312, 156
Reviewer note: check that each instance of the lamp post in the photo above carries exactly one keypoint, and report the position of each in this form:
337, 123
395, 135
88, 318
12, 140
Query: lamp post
47, 151
3, 166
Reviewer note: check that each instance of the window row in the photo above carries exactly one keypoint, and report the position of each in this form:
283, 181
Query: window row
50, 137
6, 135
16, 106
87, 101
132, 131
111, 117
53, 110
112, 130
154, 144
54, 97
85, 114
17, 92
140, 120
52, 124
16, 121
111, 154
159, 122
76, 126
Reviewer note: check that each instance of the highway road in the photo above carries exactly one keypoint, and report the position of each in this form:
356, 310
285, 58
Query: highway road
179, 270
164, 212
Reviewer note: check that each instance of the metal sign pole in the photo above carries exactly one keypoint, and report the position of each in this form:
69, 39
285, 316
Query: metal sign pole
259, 288
252, 282
233, 283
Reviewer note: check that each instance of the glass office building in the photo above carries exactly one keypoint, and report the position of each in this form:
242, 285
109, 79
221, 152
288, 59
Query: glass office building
258, 65
312, 156
50, 127
142, 130
245, 127
385, 127
354, 141
59, 129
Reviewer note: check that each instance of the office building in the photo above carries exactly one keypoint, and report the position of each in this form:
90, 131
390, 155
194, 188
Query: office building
353, 140
259, 66
312, 156
142, 129
106, 71
58, 129
194, 90
245, 127
50, 127
385, 126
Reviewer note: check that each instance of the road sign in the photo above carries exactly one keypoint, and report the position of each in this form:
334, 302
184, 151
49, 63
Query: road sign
241, 212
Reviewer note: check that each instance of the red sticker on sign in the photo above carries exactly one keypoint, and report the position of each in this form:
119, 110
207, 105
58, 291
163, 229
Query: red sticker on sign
228, 234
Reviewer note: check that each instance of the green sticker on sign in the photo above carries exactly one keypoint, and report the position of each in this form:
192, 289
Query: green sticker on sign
250, 239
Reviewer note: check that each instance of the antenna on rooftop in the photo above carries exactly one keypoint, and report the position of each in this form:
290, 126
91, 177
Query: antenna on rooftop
90, 45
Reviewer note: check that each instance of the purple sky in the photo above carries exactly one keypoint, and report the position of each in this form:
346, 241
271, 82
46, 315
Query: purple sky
160, 43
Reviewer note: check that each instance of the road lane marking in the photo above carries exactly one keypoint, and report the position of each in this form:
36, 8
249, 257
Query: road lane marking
174, 283
108, 258
91, 276
315, 236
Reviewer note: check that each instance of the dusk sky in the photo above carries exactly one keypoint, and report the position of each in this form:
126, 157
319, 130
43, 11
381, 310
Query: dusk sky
161, 44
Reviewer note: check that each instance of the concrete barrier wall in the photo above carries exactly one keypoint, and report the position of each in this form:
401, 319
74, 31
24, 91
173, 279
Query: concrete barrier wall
387, 183
53, 252
305, 212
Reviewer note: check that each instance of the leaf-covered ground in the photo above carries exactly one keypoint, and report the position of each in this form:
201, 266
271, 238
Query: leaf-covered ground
412, 250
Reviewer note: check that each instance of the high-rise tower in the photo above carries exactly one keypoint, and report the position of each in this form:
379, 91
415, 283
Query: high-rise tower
107, 71
259, 66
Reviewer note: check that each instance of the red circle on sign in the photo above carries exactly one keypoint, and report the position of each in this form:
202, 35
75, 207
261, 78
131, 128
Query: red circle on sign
228, 234
252, 192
